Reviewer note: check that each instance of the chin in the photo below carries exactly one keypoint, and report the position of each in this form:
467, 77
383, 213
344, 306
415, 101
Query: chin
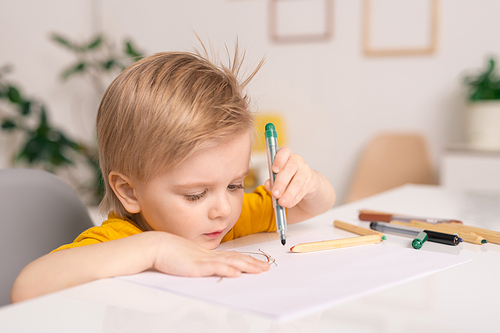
211, 245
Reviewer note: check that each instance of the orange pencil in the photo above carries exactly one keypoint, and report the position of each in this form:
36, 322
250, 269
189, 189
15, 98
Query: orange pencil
490, 235
356, 229
336, 243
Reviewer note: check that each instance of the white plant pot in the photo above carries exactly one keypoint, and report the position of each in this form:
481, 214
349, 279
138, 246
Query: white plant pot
483, 124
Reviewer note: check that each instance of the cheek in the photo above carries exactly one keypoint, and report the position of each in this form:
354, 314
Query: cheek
163, 213
237, 204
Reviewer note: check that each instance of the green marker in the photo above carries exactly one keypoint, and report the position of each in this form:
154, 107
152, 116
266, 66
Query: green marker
419, 240
272, 149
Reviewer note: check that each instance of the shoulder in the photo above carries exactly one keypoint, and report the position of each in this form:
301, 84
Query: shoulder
113, 228
117, 226
260, 196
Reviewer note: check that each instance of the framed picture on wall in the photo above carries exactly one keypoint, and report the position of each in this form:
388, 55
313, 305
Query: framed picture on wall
300, 21
400, 28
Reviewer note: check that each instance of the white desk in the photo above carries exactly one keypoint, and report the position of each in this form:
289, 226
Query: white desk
464, 298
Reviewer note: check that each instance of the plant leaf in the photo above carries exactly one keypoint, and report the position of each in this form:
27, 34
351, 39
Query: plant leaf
14, 95
69, 143
26, 108
95, 43
32, 150
63, 41
485, 85
491, 65
5, 69
131, 51
46, 145
78, 68
43, 117
8, 125
109, 64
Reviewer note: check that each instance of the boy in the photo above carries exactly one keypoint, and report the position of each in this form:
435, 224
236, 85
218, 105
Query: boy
174, 136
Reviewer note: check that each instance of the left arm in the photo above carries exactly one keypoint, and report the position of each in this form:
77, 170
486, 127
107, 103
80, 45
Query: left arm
303, 191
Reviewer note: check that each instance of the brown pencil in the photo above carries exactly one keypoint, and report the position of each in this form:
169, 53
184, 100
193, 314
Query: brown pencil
370, 215
356, 229
336, 243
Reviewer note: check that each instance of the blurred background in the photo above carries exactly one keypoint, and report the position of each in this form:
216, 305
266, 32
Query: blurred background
337, 75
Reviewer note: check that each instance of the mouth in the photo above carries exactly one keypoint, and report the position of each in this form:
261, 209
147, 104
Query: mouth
215, 234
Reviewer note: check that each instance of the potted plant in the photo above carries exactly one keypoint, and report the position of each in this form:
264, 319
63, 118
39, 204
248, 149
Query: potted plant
483, 111
41, 144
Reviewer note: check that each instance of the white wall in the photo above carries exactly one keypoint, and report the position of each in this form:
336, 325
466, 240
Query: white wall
334, 97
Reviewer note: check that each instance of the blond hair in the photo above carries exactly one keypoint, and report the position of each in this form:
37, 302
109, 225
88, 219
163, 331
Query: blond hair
162, 109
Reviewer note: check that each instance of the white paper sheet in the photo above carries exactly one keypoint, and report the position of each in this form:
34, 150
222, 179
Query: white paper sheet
303, 283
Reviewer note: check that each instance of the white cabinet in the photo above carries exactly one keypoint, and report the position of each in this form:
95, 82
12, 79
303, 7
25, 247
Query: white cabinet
467, 168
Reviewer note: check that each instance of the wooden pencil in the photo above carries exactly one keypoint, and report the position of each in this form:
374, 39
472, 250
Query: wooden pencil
336, 243
490, 235
466, 236
356, 229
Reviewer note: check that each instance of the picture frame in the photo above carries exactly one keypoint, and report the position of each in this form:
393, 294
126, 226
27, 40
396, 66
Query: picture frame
317, 23
428, 47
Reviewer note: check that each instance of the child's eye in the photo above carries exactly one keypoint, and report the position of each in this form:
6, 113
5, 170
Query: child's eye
194, 197
235, 187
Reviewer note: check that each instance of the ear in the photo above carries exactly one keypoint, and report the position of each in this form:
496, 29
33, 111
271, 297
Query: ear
124, 191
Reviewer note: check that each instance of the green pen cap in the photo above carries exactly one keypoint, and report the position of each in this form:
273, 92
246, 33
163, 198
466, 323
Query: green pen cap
271, 131
419, 240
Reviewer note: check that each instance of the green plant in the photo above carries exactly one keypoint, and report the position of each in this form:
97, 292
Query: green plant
485, 85
45, 146
97, 58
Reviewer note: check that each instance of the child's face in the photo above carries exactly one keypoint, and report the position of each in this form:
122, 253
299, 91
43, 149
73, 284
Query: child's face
201, 198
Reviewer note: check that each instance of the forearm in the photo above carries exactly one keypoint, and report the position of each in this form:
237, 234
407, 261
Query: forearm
317, 203
162, 251
71, 267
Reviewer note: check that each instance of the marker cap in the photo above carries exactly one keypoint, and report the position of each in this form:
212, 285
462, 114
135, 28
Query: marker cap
419, 240
271, 131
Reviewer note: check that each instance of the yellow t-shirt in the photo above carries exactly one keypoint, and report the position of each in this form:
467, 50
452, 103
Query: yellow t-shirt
256, 216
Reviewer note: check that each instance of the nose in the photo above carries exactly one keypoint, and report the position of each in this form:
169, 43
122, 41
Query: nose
221, 207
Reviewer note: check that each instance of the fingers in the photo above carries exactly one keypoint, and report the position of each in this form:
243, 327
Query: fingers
284, 170
293, 180
232, 264
182, 257
219, 269
296, 190
281, 159
245, 263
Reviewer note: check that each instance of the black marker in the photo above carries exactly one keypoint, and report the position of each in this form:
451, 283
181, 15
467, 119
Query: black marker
440, 237
432, 236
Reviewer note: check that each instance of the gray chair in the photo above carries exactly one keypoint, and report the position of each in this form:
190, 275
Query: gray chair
38, 213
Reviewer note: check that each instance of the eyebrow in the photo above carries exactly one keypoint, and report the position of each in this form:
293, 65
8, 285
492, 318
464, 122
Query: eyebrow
203, 183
